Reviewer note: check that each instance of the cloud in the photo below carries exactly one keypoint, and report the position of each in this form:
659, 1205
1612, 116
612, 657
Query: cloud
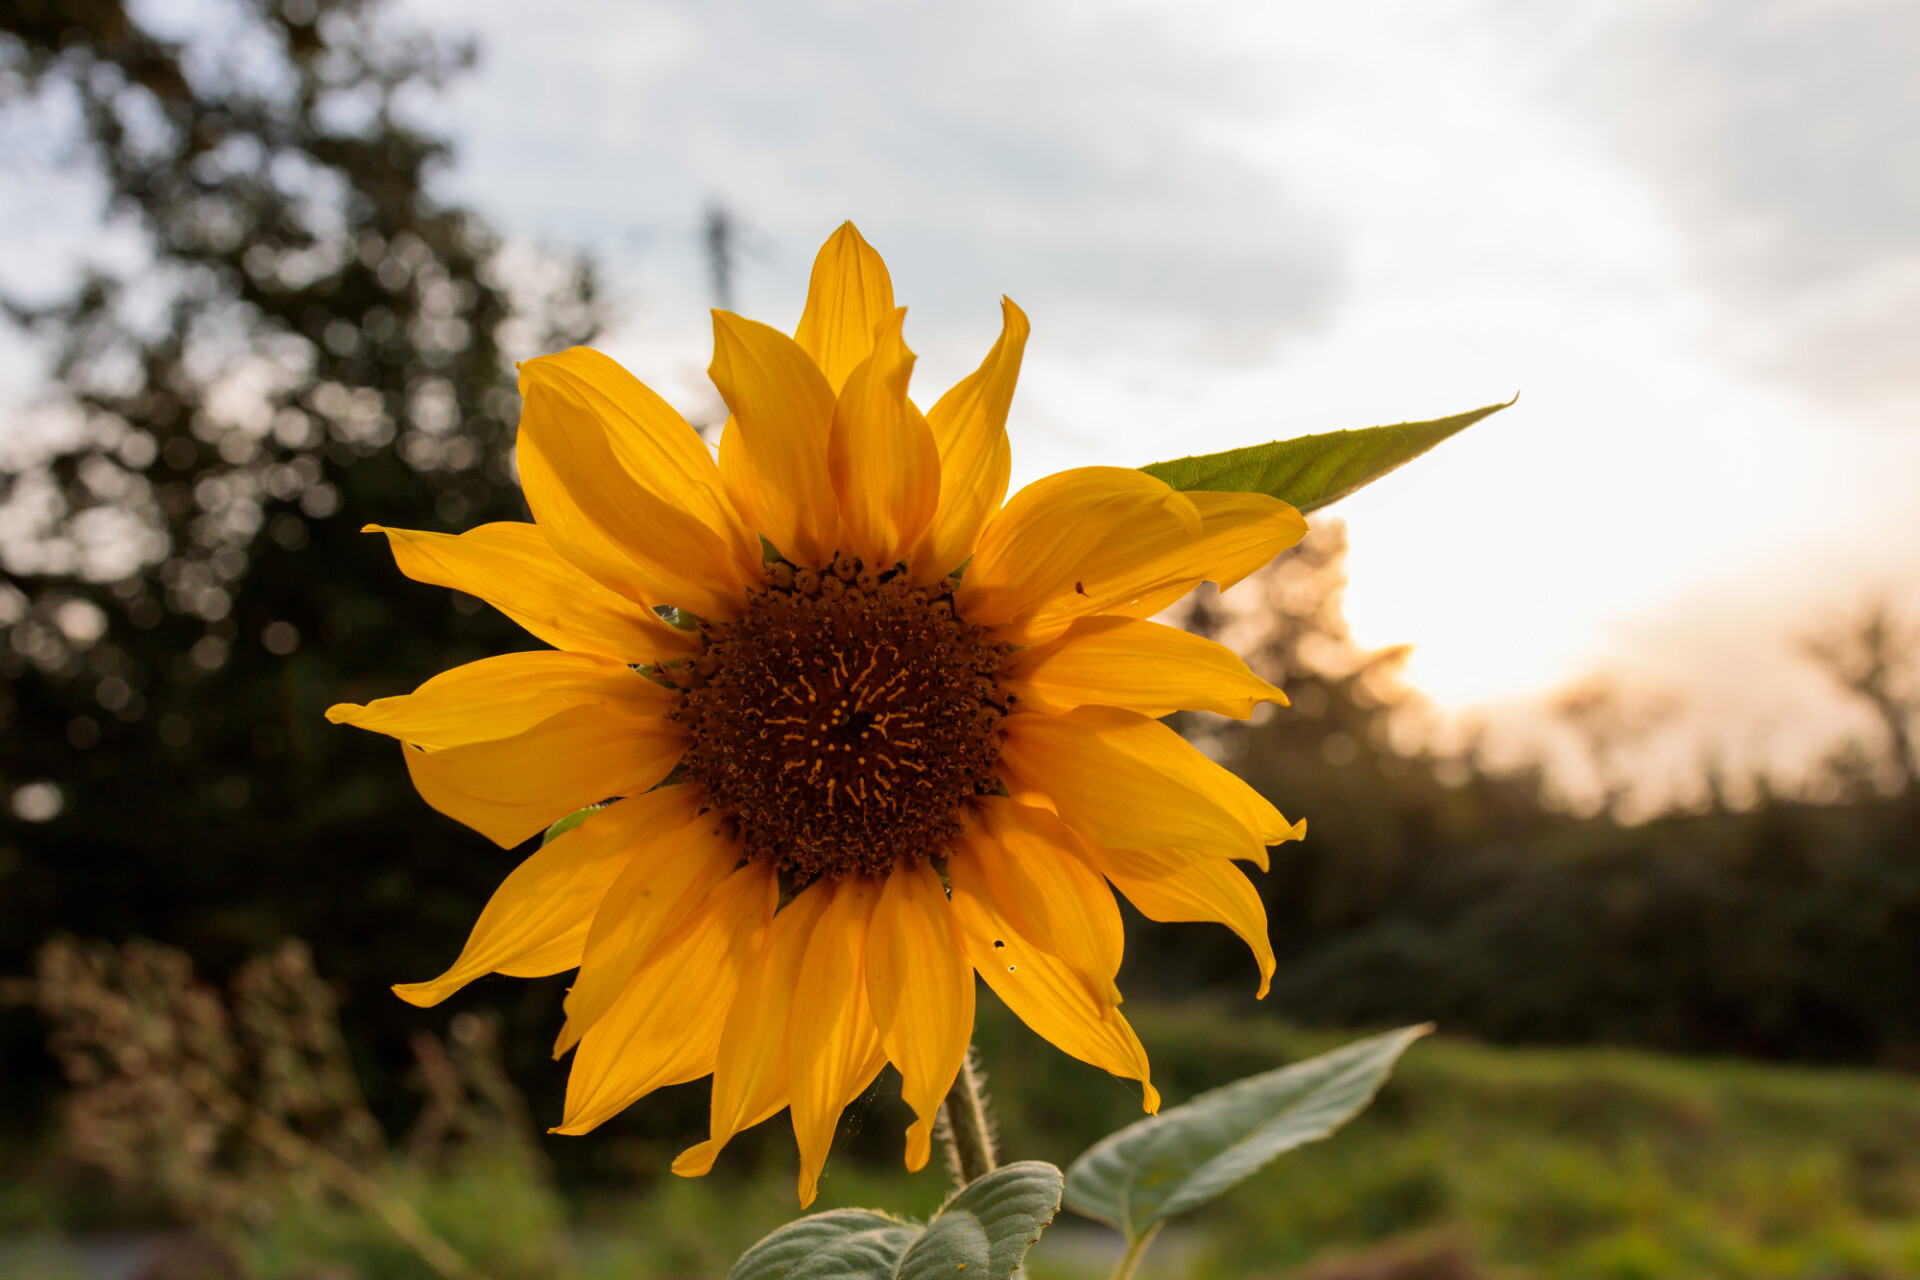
1780, 135
1072, 155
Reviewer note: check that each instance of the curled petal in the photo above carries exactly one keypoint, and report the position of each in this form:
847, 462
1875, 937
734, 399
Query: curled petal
1138, 665
920, 988
885, 467
848, 296
536, 922
773, 452
1128, 782
1168, 886
515, 569
1044, 992
969, 426
664, 1027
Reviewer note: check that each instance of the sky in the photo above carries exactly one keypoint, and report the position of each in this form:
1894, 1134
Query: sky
1687, 232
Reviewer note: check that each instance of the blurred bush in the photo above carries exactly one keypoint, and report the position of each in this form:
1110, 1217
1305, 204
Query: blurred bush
241, 1109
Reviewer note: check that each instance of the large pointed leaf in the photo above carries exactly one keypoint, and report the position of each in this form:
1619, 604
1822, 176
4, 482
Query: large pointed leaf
1189, 1154
983, 1232
844, 1244
1312, 471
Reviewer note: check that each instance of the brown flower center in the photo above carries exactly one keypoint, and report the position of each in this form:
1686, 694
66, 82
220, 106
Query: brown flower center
844, 720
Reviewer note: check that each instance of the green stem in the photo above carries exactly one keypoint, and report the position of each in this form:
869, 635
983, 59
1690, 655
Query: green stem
1135, 1248
967, 1131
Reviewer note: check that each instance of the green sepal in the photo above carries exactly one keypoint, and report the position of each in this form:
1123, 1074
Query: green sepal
569, 822
1312, 471
1134, 1179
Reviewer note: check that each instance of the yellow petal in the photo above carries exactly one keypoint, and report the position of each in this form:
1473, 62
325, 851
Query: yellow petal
773, 453
1031, 864
835, 1049
885, 467
1122, 780
664, 1028
751, 1071
1240, 532
969, 426
502, 696
1139, 665
655, 445
849, 294
1070, 545
1044, 993
640, 542
536, 922
1168, 886
668, 877
1058, 536
920, 988
512, 788
515, 569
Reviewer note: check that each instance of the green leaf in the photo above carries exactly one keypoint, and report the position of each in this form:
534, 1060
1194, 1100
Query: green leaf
1312, 471
844, 1244
982, 1233
1012, 1206
569, 822
1189, 1154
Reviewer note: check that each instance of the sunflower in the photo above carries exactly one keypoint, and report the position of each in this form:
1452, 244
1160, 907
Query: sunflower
867, 730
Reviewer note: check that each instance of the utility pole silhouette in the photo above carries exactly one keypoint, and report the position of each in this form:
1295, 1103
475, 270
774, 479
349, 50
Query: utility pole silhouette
721, 235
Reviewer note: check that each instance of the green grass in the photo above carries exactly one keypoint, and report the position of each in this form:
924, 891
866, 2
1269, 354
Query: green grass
1578, 1163
1586, 1164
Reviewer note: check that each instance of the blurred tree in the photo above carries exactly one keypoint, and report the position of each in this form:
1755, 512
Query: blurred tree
1430, 886
1876, 657
1379, 811
300, 337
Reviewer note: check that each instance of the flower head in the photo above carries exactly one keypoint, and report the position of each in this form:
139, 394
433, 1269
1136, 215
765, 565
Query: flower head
895, 734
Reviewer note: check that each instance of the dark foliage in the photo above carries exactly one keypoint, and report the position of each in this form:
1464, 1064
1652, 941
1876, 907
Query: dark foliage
1432, 888
313, 340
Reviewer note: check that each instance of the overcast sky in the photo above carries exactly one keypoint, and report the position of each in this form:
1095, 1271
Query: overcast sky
1688, 231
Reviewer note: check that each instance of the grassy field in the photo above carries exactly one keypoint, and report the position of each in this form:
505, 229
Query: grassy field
1475, 1160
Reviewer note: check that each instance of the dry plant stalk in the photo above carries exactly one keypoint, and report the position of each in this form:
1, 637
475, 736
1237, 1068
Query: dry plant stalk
225, 1106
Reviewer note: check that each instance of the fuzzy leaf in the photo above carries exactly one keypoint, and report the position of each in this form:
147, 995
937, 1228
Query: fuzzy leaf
1011, 1206
984, 1230
1189, 1154
843, 1244
1312, 471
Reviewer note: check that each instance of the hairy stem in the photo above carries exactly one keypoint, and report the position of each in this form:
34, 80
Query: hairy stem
968, 1132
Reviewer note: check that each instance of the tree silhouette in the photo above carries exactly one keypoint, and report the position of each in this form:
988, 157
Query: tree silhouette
309, 339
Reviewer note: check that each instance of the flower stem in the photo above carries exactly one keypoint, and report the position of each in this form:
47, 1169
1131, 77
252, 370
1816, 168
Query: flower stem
968, 1132
1136, 1248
